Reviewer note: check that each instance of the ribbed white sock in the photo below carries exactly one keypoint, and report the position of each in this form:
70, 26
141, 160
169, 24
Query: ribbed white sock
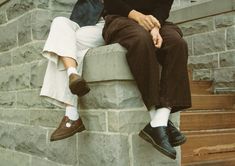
72, 70
160, 117
72, 113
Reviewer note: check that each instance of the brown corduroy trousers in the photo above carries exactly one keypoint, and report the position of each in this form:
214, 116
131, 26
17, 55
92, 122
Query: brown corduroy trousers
170, 88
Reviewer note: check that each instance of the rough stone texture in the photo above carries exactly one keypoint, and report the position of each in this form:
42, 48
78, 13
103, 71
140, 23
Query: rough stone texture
225, 20
209, 42
15, 116
37, 72
36, 161
8, 36
13, 158
224, 75
146, 155
197, 26
189, 41
3, 18
227, 59
231, 38
112, 95
24, 29
5, 59
106, 151
62, 5
5, 130
202, 74
203, 62
7, 99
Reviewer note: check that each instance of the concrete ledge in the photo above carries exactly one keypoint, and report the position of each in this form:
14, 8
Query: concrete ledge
201, 9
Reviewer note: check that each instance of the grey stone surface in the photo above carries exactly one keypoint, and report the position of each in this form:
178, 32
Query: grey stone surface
146, 155
44, 4
224, 75
15, 116
37, 73
227, 59
24, 29
115, 94
12, 158
31, 99
231, 38
3, 18
225, 20
202, 74
36, 161
209, 42
203, 62
5, 130
7, 99
103, 150
15, 78
197, 26
62, 5
94, 120
8, 36
27, 53
5, 59
46, 118
63, 151
189, 41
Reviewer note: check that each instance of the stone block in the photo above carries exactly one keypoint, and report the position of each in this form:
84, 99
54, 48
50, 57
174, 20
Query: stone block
127, 121
62, 5
209, 42
46, 118
103, 149
24, 29
31, 99
203, 62
15, 116
27, 53
224, 75
7, 99
44, 4
12, 158
202, 74
112, 95
36, 161
5, 130
37, 73
8, 36
5, 59
63, 151
144, 154
189, 41
15, 78
231, 38
197, 26
227, 59
94, 120
3, 18
225, 20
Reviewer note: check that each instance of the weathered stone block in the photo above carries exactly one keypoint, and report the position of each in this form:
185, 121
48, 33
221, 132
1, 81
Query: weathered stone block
227, 59
112, 95
62, 5
5, 59
225, 20
37, 73
231, 38
8, 36
15, 116
12, 158
15, 78
224, 75
44, 4
189, 41
209, 42
203, 62
101, 149
24, 29
5, 130
31, 99
94, 120
36, 161
202, 74
63, 151
3, 18
146, 155
197, 26
7, 99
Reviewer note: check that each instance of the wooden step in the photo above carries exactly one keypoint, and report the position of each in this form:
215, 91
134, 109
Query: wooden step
207, 120
209, 146
201, 87
225, 162
213, 101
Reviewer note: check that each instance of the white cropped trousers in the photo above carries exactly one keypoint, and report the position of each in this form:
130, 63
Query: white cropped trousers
66, 39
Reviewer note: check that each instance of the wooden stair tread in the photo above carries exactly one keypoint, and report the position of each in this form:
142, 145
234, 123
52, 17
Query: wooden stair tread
201, 87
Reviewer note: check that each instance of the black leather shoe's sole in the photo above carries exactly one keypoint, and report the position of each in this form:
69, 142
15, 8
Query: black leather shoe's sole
79, 129
79, 88
149, 139
179, 142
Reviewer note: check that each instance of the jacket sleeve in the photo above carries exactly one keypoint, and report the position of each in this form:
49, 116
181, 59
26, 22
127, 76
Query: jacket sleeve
161, 12
118, 7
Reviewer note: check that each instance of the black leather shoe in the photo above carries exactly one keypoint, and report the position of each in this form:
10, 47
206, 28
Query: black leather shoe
158, 137
176, 138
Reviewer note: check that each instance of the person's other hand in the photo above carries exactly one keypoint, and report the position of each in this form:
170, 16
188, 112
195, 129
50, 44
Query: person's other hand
157, 38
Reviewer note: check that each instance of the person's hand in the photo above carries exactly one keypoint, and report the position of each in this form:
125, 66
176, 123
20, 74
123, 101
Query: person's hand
157, 38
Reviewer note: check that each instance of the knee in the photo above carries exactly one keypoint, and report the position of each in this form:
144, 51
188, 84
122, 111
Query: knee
142, 37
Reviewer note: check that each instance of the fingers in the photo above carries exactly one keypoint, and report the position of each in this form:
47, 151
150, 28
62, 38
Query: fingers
155, 21
159, 41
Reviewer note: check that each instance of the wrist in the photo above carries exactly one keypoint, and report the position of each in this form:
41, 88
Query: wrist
135, 15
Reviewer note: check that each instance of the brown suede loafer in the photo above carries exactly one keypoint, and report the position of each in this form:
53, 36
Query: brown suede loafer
67, 128
78, 85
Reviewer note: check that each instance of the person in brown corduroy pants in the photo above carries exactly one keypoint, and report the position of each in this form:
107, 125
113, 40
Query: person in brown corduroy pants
162, 93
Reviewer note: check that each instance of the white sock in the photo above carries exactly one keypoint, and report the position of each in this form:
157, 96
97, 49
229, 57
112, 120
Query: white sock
72, 113
152, 112
72, 70
160, 118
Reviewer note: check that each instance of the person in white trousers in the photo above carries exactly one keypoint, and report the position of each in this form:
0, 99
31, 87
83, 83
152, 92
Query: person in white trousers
65, 48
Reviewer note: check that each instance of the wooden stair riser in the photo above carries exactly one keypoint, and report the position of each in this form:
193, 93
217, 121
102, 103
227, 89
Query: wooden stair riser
201, 87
